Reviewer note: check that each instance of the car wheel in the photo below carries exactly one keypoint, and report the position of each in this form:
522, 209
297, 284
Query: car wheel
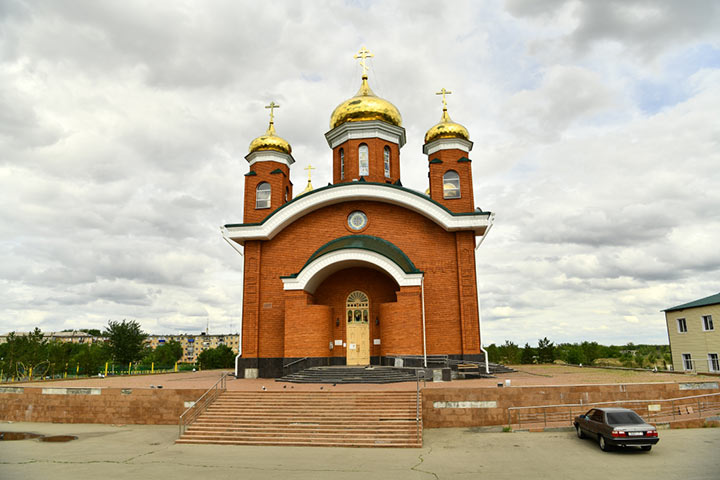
603, 444
646, 448
579, 432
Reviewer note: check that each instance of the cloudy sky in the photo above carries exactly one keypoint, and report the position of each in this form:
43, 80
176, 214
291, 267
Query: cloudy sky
123, 127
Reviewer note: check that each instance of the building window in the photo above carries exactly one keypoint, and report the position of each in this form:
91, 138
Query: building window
713, 362
262, 195
363, 160
386, 157
687, 361
451, 184
682, 325
287, 193
707, 323
342, 164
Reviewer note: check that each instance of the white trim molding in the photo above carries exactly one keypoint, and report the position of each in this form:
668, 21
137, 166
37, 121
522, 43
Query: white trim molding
353, 191
369, 129
313, 274
269, 156
447, 144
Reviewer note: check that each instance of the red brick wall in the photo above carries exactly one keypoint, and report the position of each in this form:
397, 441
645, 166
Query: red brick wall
278, 183
376, 161
402, 324
307, 326
113, 405
432, 249
449, 158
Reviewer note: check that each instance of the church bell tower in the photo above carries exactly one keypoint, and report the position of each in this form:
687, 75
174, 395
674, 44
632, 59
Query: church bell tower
448, 145
267, 184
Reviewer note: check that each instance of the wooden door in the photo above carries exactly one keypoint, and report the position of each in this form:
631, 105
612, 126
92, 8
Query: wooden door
357, 316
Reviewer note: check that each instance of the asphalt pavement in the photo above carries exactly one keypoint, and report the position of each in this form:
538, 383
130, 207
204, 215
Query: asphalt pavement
141, 451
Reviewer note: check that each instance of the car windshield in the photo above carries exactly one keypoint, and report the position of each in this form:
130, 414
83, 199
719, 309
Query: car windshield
623, 418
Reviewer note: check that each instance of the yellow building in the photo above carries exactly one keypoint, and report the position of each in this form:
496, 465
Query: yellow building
694, 340
193, 345
70, 336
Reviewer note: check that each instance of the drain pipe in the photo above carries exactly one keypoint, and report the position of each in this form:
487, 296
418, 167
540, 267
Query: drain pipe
237, 248
491, 222
422, 294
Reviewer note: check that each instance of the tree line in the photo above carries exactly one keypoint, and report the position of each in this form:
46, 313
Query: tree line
125, 344
586, 353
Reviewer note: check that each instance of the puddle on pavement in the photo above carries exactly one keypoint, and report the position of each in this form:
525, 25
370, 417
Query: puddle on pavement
42, 438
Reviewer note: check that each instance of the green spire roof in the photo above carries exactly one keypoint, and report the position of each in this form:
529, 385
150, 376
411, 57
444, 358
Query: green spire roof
711, 300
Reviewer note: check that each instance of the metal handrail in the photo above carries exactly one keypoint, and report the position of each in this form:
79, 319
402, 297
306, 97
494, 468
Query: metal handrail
202, 403
295, 361
562, 416
418, 417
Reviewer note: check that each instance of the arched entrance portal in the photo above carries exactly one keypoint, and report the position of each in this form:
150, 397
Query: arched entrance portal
357, 315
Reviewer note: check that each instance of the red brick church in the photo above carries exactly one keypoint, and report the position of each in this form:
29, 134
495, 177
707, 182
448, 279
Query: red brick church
363, 269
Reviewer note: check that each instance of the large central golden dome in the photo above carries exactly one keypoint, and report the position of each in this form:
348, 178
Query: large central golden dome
364, 106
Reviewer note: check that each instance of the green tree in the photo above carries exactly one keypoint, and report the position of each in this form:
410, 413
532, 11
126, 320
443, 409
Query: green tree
545, 351
164, 355
220, 357
528, 354
91, 358
125, 341
509, 352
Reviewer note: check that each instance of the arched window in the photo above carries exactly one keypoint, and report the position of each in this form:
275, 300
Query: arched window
287, 193
451, 184
363, 160
262, 195
386, 156
342, 164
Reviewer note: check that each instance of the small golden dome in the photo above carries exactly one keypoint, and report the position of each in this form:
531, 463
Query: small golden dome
364, 106
446, 128
270, 141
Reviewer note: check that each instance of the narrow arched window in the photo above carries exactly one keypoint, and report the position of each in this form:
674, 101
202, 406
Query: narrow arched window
262, 195
342, 164
287, 193
451, 184
364, 162
386, 157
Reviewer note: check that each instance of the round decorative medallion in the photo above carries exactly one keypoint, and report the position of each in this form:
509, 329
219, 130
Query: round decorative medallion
357, 220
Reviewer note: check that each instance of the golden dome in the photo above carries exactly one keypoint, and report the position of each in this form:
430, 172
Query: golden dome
446, 128
270, 141
365, 105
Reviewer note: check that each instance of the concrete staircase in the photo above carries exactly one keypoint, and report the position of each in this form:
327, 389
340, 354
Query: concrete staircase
345, 374
323, 419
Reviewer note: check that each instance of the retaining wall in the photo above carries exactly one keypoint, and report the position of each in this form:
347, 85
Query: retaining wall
465, 407
95, 405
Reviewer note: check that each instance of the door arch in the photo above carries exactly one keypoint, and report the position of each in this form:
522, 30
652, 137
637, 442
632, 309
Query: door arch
357, 317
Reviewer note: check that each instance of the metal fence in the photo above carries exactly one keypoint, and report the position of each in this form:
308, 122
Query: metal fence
656, 411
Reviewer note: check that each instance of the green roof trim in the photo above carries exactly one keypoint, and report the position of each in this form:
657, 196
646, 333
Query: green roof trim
276, 171
435, 160
346, 184
364, 242
703, 302
250, 173
464, 159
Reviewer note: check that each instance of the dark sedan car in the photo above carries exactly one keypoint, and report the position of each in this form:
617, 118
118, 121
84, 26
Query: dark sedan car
616, 427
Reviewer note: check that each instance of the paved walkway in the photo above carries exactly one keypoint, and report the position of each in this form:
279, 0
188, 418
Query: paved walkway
138, 451
527, 375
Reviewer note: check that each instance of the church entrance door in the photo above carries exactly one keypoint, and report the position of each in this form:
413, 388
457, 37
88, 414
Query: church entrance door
357, 310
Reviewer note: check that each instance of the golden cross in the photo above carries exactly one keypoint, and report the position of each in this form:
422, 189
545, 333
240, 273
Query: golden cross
272, 107
309, 168
443, 92
362, 55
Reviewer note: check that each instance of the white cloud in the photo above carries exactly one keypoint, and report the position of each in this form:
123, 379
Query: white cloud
123, 128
